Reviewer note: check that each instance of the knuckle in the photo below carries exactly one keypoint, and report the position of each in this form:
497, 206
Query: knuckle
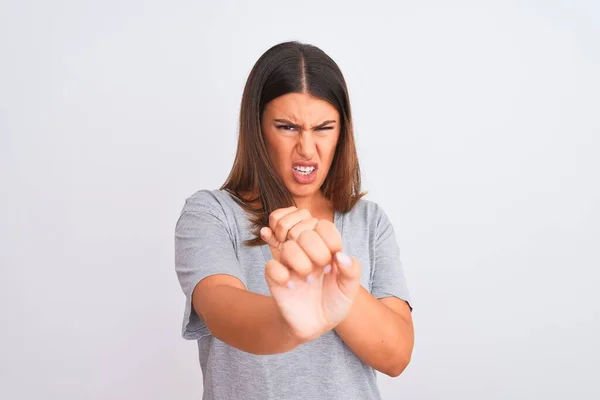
306, 236
280, 225
272, 219
293, 233
324, 225
329, 232
288, 247
305, 213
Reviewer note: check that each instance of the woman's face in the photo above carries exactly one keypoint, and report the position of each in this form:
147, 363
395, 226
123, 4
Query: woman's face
301, 133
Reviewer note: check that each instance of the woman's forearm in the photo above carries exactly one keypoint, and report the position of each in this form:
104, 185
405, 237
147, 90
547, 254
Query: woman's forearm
247, 321
381, 337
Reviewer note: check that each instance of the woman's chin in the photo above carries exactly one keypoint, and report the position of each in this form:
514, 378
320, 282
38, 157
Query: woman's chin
301, 190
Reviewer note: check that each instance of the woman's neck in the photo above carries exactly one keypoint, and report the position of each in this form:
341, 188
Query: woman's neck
318, 205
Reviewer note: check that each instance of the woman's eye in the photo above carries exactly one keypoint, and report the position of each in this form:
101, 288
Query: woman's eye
286, 127
295, 128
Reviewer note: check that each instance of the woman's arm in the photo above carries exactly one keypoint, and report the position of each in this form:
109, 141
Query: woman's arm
247, 321
379, 332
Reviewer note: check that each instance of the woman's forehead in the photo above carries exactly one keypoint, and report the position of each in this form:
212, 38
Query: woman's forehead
301, 108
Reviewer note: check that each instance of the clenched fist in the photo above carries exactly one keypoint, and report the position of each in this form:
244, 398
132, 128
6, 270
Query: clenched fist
286, 223
312, 281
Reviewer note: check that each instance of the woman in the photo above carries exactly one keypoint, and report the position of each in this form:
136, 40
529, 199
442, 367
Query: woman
279, 308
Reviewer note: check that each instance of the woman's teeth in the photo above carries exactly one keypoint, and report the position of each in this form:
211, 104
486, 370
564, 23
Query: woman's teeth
304, 170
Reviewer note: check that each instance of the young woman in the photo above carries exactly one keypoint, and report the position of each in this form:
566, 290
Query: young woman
294, 284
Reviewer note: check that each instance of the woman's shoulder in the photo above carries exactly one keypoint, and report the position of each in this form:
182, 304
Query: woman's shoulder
366, 209
208, 200
368, 215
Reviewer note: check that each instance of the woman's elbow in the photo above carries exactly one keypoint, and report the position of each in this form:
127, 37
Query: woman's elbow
398, 365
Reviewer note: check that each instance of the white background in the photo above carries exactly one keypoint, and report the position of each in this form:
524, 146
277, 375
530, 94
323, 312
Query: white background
478, 131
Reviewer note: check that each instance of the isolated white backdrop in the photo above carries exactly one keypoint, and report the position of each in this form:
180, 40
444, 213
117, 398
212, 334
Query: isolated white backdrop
478, 132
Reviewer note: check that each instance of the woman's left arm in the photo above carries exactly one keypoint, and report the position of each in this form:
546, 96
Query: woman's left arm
379, 327
380, 332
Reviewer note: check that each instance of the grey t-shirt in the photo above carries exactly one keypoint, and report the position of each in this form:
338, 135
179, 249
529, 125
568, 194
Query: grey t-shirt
209, 239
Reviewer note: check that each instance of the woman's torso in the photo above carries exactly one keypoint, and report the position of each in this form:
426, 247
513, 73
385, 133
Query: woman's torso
323, 369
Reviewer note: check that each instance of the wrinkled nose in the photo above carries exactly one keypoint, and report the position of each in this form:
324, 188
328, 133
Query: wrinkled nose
306, 145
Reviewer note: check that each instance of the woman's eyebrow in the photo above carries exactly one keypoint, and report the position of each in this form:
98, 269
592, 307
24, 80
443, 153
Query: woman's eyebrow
286, 121
322, 124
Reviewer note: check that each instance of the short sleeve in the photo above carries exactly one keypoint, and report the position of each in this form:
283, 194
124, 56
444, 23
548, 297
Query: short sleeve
203, 247
388, 275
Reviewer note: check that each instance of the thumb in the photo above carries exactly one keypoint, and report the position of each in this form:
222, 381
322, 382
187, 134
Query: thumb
269, 237
348, 272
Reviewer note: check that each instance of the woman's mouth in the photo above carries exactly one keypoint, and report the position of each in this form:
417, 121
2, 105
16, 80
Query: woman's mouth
305, 170
304, 174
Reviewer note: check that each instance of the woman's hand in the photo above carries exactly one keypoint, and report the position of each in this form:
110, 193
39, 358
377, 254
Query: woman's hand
286, 224
312, 282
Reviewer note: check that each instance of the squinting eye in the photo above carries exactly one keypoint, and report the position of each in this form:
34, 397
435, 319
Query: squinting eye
286, 127
325, 128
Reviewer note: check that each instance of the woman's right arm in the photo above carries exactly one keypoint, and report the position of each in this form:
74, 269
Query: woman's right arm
247, 321
212, 280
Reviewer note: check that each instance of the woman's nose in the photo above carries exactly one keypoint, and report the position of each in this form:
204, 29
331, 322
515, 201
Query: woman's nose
306, 145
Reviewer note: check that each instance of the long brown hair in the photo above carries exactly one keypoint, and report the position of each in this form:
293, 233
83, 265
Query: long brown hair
290, 67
